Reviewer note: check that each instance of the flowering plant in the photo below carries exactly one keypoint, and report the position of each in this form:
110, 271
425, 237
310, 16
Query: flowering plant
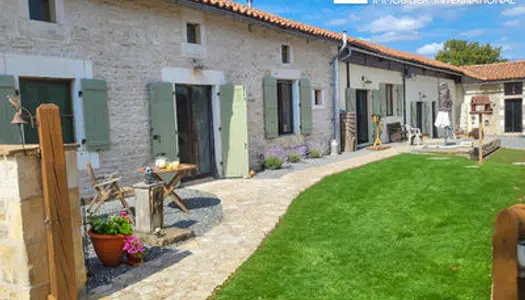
296, 153
134, 246
274, 157
112, 225
315, 149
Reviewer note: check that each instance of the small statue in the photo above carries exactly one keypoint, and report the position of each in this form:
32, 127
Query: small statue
149, 178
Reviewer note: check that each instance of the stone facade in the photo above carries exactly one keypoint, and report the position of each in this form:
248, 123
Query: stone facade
495, 123
128, 43
24, 271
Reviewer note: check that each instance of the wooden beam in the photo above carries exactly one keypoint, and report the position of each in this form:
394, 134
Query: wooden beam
56, 201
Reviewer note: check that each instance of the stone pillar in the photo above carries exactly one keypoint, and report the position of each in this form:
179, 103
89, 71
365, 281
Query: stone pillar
149, 206
24, 269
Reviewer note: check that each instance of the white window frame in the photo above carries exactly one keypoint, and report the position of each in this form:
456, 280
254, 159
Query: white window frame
290, 54
323, 94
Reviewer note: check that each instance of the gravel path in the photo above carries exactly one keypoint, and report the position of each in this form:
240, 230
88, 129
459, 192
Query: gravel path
309, 163
206, 212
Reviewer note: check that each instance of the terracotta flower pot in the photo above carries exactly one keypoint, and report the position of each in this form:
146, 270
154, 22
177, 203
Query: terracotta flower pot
108, 248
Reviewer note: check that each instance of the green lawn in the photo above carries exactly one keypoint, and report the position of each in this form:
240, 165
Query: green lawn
505, 155
403, 228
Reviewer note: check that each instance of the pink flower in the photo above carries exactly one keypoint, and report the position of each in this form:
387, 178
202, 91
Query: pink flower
122, 214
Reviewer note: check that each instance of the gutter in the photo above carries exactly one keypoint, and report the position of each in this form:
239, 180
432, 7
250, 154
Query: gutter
334, 144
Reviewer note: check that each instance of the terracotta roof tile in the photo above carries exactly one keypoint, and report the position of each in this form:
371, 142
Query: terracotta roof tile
500, 72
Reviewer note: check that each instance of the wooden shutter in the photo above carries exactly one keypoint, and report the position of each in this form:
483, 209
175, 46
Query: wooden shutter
413, 114
234, 131
376, 99
305, 105
399, 99
350, 96
9, 133
271, 124
96, 116
427, 118
163, 120
382, 100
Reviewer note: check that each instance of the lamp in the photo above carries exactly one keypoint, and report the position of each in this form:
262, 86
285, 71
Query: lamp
365, 80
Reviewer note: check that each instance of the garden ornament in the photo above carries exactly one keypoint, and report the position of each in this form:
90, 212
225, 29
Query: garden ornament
149, 178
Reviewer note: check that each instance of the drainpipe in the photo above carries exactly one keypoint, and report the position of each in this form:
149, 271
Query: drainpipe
334, 145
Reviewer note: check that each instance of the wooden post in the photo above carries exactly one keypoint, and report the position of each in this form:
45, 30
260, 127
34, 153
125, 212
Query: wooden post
480, 149
56, 201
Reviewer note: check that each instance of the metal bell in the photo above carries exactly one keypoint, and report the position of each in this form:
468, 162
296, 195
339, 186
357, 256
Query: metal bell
18, 118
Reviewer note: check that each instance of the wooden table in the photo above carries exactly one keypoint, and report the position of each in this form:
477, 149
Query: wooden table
169, 188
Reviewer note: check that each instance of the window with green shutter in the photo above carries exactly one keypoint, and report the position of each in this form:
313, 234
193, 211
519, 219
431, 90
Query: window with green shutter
9, 133
400, 100
96, 115
305, 105
350, 95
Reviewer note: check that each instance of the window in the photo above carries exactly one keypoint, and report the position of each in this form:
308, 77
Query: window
285, 106
285, 54
193, 33
389, 99
318, 97
513, 88
41, 10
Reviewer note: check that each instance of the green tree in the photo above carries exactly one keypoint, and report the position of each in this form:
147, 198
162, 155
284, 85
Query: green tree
464, 53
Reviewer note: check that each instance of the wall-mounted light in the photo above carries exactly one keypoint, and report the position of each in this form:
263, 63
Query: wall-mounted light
365, 80
197, 65
422, 96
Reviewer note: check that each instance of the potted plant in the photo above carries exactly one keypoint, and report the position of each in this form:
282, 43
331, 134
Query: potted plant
135, 250
108, 237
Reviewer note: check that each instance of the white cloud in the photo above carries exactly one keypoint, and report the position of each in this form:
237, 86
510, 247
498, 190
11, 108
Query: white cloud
473, 33
515, 11
354, 17
430, 49
392, 36
513, 23
337, 22
393, 24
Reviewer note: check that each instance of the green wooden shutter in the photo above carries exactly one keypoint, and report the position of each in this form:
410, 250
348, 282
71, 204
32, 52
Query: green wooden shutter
96, 115
427, 118
9, 133
400, 97
382, 100
376, 100
350, 95
163, 120
271, 124
305, 105
234, 131
413, 114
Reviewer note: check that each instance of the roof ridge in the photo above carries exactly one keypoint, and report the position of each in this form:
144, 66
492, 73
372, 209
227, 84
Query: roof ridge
496, 63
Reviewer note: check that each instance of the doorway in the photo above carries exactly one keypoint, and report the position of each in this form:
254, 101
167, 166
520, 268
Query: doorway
195, 128
34, 92
513, 115
419, 116
434, 115
362, 116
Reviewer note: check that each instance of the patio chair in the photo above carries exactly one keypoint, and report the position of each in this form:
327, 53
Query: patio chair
414, 135
107, 188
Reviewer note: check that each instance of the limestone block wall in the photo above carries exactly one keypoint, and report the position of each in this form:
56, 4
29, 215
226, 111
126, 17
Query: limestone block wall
24, 268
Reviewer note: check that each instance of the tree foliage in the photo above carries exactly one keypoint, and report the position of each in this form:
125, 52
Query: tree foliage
463, 53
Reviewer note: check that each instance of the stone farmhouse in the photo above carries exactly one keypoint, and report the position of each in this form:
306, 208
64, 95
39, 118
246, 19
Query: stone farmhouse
214, 82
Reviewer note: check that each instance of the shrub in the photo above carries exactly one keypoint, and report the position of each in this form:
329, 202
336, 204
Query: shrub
293, 158
296, 153
273, 162
112, 225
315, 154
275, 151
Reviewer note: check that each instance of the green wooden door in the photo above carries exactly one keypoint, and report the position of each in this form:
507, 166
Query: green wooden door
163, 120
234, 131
9, 133
34, 92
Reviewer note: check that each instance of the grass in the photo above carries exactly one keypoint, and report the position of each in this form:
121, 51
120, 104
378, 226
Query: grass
403, 228
505, 155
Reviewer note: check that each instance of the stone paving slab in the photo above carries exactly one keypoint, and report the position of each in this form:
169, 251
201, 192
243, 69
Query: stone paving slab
252, 208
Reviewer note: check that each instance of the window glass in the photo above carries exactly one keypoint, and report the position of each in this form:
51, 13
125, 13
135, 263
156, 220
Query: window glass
389, 100
193, 33
285, 106
285, 54
40, 10
318, 97
513, 88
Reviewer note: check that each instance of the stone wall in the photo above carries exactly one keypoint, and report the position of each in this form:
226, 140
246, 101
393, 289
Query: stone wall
24, 269
128, 44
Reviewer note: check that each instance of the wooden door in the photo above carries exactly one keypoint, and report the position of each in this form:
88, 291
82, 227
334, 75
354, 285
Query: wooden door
234, 131
362, 116
513, 115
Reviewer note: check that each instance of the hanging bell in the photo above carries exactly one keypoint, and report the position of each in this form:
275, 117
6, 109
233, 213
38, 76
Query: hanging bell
18, 118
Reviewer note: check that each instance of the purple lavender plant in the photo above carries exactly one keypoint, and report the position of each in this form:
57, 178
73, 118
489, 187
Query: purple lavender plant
315, 149
275, 151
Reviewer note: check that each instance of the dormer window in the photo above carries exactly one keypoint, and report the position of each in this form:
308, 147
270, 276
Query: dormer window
286, 54
193, 33
42, 10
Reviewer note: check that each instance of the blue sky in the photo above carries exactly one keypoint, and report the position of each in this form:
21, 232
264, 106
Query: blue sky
414, 28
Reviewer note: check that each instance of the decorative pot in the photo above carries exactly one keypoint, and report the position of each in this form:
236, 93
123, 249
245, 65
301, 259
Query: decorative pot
108, 248
133, 260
